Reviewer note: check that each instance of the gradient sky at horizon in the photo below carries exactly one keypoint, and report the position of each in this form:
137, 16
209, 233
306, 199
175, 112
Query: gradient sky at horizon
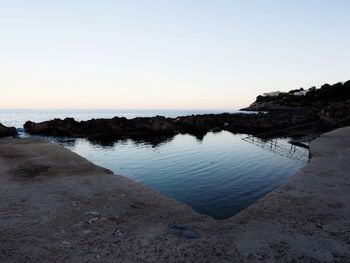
180, 54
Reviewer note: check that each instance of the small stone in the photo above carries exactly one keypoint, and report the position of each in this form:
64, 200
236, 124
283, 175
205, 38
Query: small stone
87, 232
93, 220
113, 218
182, 230
80, 223
35, 221
93, 213
66, 243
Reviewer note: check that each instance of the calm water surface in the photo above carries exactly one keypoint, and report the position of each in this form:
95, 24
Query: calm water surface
218, 174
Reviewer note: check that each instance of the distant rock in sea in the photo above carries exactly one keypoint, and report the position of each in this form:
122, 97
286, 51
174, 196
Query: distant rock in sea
7, 131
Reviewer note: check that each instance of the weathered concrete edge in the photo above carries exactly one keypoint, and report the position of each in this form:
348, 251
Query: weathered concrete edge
319, 149
309, 213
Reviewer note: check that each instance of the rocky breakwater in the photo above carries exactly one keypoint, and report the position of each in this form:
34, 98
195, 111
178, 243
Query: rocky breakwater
7, 131
162, 127
103, 128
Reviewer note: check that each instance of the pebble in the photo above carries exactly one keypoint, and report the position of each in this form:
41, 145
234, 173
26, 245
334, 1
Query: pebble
66, 243
182, 230
93, 213
87, 232
80, 223
93, 220
113, 218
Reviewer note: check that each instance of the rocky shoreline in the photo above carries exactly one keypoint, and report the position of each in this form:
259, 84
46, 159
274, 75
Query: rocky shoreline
329, 106
162, 127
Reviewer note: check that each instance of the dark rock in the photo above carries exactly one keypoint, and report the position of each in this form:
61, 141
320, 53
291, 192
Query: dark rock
159, 129
216, 129
104, 130
182, 230
7, 131
336, 115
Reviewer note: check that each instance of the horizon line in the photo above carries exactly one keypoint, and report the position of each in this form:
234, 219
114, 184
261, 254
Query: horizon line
126, 109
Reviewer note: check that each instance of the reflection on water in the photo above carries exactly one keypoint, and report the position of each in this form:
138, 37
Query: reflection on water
153, 141
218, 174
278, 146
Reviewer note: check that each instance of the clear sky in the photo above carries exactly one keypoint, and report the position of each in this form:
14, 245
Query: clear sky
161, 54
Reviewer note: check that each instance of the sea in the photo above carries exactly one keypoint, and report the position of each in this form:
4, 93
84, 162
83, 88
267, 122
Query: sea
218, 174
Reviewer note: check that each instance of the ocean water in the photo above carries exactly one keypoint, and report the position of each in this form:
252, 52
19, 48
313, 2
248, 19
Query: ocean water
16, 118
218, 174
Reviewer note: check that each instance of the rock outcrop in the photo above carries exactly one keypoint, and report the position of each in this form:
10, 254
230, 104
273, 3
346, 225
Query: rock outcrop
7, 131
142, 128
104, 128
336, 114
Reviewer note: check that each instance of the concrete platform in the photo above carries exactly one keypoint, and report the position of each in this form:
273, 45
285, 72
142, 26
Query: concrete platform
58, 207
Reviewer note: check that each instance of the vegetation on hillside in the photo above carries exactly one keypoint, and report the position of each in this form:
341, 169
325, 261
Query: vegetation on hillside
337, 92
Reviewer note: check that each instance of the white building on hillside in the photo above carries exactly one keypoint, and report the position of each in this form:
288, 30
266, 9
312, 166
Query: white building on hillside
300, 93
273, 94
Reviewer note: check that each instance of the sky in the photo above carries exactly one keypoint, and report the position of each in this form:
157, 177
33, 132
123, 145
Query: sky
162, 54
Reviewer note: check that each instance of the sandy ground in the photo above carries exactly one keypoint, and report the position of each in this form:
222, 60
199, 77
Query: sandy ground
58, 207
